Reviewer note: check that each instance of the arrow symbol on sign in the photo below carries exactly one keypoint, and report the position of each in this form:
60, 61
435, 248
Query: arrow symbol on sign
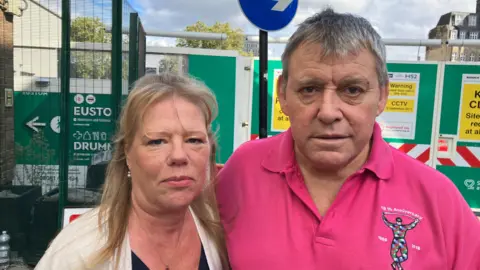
281, 5
33, 124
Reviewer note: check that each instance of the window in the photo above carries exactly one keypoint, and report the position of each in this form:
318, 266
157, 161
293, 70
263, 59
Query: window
463, 34
472, 57
473, 35
458, 20
454, 56
472, 20
453, 34
462, 57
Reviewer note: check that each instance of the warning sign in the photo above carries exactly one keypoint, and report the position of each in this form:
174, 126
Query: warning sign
399, 118
469, 117
403, 89
442, 145
400, 105
279, 122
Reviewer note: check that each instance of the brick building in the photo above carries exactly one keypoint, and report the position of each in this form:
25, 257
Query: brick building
7, 154
456, 25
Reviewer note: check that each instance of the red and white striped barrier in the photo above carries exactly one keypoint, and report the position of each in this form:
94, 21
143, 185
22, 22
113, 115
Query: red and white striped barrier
420, 152
465, 156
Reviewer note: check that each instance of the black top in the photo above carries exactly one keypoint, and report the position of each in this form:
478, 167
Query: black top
137, 264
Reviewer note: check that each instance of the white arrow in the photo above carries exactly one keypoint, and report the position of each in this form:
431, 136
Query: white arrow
33, 125
281, 5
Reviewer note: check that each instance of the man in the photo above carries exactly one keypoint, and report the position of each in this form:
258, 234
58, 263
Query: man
327, 193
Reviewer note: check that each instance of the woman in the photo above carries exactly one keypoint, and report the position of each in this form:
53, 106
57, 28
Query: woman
158, 208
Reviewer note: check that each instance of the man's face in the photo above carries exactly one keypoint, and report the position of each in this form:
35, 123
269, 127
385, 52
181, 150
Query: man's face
332, 105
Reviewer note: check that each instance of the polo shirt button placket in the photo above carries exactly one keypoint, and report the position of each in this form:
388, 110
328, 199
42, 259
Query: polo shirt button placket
321, 235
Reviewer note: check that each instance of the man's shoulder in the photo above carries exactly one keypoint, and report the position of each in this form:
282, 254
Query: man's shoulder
247, 161
419, 175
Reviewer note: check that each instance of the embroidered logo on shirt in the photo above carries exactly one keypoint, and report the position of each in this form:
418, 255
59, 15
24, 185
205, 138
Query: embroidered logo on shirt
400, 223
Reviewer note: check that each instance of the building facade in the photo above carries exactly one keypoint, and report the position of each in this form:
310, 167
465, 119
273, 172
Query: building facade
7, 153
252, 47
456, 25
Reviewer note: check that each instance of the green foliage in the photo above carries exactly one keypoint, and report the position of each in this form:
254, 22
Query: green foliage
234, 41
169, 63
93, 64
89, 29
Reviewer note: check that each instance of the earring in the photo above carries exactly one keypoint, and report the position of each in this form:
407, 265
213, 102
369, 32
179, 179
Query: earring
129, 175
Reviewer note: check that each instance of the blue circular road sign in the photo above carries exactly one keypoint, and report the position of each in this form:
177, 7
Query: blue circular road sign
269, 15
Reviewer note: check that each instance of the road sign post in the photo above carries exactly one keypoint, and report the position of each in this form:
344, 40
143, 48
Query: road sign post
263, 75
267, 15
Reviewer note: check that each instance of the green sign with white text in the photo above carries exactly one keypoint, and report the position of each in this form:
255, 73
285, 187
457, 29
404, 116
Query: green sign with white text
37, 126
91, 127
37, 136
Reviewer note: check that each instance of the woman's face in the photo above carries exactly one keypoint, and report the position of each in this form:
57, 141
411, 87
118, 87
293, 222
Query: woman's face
169, 156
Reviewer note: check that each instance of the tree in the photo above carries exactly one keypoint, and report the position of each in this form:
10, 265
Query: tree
89, 29
169, 63
93, 64
234, 41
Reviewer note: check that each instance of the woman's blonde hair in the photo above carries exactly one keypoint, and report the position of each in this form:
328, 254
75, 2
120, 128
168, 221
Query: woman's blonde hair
115, 206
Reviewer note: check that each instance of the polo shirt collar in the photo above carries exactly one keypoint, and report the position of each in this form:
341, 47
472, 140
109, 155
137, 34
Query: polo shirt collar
281, 157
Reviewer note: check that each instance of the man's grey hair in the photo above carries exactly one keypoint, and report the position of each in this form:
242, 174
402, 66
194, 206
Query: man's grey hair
338, 34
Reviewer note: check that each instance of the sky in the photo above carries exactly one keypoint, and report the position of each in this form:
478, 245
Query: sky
411, 19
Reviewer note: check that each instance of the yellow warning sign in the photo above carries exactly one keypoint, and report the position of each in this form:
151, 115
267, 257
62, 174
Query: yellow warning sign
408, 89
400, 105
280, 122
469, 126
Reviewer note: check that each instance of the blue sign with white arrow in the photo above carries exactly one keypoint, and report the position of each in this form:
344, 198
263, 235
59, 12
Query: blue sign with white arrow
269, 15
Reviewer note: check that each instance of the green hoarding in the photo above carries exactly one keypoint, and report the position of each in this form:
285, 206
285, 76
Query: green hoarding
416, 110
90, 129
218, 73
406, 125
422, 116
37, 136
425, 98
272, 66
460, 129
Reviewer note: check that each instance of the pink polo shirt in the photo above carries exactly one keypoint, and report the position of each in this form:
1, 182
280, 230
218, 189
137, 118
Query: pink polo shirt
271, 222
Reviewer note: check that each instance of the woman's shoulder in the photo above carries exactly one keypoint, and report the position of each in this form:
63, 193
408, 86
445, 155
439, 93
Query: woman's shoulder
75, 243
82, 230
208, 243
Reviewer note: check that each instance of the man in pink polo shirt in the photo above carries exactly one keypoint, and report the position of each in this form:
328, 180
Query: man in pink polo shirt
330, 193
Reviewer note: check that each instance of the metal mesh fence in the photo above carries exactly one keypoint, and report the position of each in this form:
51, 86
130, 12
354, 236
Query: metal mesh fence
31, 198
142, 48
127, 10
37, 43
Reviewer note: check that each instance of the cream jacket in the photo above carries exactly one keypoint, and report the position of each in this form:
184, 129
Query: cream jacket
81, 239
